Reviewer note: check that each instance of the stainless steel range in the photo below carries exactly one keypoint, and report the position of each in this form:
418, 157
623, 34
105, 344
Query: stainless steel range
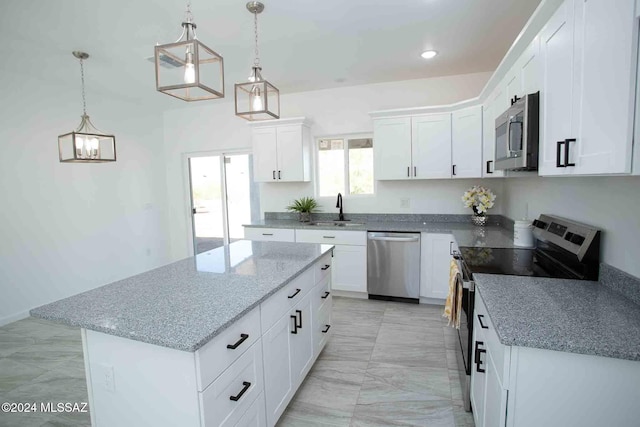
564, 249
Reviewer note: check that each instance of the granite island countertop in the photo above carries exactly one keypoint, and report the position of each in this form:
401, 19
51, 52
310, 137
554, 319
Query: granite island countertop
466, 234
185, 304
573, 316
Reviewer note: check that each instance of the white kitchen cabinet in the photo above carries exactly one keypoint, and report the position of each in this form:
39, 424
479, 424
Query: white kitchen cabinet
278, 380
489, 114
587, 108
281, 150
392, 148
436, 254
416, 147
301, 340
529, 65
466, 142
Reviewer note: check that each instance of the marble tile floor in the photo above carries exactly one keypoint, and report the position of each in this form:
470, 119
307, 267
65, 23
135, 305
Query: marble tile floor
387, 364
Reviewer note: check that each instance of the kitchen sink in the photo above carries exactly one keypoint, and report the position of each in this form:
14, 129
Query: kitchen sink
335, 224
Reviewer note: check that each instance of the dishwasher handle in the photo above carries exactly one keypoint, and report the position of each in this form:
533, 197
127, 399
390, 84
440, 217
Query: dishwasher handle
396, 239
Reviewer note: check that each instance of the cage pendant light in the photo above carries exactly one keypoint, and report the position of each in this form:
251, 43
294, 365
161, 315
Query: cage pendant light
257, 99
86, 144
187, 69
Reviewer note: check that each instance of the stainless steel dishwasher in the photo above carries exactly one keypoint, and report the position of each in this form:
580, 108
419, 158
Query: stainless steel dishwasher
393, 266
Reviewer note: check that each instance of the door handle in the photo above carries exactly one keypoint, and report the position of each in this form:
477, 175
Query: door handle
279, 177
243, 338
326, 329
415, 171
559, 154
295, 293
480, 317
295, 324
326, 267
326, 295
274, 174
489, 166
245, 387
193, 211
453, 170
408, 169
477, 359
299, 312
566, 152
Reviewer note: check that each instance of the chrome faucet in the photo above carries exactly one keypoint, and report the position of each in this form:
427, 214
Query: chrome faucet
339, 205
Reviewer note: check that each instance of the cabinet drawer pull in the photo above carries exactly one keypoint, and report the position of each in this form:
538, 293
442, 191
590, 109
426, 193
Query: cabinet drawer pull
328, 237
326, 294
453, 170
295, 324
243, 338
295, 293
480, 317
267, 234
326, 329
415, 171
279, 177
489, 166
477, 359
299, 312
326, 267
246, 385
408, 171
559, 154
566, 152
274, 174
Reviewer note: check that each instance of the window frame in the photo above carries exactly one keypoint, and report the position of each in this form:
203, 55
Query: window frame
345, 137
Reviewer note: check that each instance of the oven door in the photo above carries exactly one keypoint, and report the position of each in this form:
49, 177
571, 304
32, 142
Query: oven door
465, 335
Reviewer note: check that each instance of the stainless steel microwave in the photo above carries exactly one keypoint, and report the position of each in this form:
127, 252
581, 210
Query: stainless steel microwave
517, 135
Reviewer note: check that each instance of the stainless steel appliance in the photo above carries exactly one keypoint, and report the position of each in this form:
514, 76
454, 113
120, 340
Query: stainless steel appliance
517, 135
393, 266
564, 249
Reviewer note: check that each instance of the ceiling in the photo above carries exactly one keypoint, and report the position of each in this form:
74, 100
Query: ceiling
304, 45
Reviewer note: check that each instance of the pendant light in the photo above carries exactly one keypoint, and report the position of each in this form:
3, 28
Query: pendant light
257, 99
187, 69
86, 144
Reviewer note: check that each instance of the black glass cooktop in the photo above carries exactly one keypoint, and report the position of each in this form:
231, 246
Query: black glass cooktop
511, 261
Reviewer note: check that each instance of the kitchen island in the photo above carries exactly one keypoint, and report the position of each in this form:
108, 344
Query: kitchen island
205, 341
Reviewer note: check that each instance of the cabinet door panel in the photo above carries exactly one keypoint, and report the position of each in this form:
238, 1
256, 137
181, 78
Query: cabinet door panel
290, 153
277, 373
431, 146
604, 95
301, 341
436, 250
495, 408
556, 41
349, 268
478, 379
264, 153
489, 114
466, 136
530, 68
392, 149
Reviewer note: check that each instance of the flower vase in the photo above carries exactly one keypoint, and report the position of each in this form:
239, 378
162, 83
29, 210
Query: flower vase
479, 220
305, 216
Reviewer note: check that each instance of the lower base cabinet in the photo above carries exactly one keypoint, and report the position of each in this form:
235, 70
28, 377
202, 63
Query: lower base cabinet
528, 387
436, 252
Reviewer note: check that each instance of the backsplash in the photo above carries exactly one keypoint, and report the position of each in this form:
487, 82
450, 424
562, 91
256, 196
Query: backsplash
493, 219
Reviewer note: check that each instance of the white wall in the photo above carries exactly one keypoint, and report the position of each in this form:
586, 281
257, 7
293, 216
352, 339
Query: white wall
212, 126
66, 228
610, 203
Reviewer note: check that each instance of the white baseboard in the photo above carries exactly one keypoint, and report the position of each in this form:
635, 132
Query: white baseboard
350, 294
14, 318
433, 301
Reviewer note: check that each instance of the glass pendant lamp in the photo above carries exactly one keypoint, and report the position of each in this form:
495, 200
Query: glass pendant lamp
257, 99
86, 144
187, 69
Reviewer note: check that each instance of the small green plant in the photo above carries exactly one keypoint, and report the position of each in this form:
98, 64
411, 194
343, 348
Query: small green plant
302, 205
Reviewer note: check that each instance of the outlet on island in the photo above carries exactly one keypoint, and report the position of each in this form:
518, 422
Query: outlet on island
405, 202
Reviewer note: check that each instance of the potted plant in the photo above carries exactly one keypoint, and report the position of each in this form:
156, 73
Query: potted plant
304, 206
480, 199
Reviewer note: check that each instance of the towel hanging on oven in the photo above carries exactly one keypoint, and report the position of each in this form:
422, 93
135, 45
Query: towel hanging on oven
453, 304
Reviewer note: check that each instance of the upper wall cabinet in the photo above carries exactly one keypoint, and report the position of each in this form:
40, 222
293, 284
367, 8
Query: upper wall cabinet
588, 58
281, 150
466, 142
490, 110
416, 147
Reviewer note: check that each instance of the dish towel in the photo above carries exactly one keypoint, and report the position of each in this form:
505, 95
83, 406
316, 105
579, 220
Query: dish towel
453, 304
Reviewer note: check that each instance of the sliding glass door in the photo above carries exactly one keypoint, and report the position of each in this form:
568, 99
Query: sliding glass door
223, 198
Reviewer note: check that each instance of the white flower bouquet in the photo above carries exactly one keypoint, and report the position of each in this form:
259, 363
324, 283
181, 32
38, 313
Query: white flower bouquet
480, 199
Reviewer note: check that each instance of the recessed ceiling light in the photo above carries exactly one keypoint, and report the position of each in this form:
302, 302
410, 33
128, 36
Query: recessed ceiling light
428, 54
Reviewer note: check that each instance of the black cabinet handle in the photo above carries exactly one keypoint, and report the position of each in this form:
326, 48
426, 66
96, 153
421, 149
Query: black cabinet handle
477, 359
408, 171
326, 267
566, 152
480, 317
279, 177
559, 154
243, 338
295, 293
453, 169
274, 174
489, 166
245, 387
299, 312
326, 329
295, 324
415, 171
326, 294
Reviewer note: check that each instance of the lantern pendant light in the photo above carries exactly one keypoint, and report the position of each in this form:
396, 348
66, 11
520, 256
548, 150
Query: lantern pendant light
86, 144
257, 99
187, 69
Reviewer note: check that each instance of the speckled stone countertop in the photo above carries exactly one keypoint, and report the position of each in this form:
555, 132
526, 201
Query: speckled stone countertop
466, 234
185, 304
565, 315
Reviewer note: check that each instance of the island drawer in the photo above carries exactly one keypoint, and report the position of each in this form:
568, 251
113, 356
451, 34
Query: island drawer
270, 234
323, 268
229, 397
216, 355
321, 296
283, 300
332, 237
